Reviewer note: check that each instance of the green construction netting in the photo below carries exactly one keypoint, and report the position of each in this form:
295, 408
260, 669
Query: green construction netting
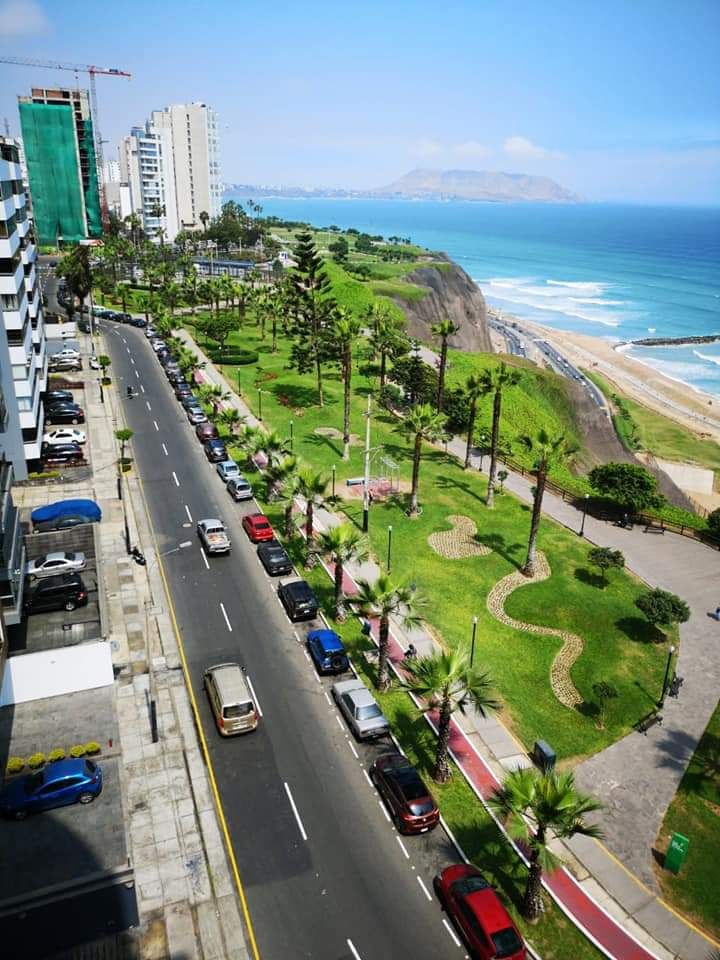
92, 194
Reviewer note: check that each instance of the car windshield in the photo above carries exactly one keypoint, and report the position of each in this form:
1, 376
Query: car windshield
237, 710
420, 809
469, 885
506, 942
262, 525
367, 713
34, 781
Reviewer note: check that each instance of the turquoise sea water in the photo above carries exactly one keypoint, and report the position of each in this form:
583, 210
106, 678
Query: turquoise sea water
619, 272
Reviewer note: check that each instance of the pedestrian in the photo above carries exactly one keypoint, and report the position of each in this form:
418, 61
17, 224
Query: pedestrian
411, 652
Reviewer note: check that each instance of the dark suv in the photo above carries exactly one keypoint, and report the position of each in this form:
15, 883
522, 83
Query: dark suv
63, 592
61, 453
298, 599
215, 451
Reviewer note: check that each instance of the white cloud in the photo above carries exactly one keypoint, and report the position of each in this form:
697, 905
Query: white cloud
522, 147
428, 148
471, 149
22, 17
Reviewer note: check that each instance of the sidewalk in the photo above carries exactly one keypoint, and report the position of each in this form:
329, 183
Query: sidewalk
619, 913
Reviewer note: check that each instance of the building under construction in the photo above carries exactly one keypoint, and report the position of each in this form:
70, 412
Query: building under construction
57, 130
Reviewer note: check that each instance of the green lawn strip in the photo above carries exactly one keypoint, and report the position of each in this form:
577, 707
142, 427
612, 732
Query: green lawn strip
695, 813
409, 292
519, 663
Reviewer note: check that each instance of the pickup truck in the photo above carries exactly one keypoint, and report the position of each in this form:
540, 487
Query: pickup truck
213, 536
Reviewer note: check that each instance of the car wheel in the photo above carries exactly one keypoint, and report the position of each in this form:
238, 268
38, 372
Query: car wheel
86, 798
70, 605
20, 815
336, 663
75, 420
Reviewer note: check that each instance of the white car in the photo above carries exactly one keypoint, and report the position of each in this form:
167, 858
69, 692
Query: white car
64, 435
53, 563
70, 352
94, 363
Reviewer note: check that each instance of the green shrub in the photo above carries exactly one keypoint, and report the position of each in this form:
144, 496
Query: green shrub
92, 747
78, 750
14, 765
236, 355
36, 760
57, 754
44, 475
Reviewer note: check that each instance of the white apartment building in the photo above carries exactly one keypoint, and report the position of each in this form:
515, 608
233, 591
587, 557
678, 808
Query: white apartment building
147, 167
23, 363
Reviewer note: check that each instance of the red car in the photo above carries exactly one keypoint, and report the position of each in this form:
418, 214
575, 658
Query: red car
400, 785
257, 527
479, 914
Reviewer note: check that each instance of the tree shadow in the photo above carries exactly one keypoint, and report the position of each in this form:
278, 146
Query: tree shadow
496, 542
296, 394
588, 709
321, 439
590, 578
450, 483
639, 630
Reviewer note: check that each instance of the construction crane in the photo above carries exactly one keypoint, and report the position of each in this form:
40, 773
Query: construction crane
92, 70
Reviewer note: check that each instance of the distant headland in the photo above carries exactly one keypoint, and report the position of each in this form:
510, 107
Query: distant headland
668, 341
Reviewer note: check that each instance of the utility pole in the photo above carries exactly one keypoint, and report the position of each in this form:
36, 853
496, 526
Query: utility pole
366, 481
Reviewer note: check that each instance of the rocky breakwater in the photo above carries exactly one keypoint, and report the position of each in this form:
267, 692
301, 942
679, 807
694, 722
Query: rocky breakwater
452, 295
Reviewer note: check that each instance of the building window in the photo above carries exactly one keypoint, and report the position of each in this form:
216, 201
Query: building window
7, 227
9, 301
8, 265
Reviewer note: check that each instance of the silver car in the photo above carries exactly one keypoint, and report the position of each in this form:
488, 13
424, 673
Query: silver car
53, 563
239, 488
359, 708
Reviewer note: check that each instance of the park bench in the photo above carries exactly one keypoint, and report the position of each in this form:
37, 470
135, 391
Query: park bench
642, 726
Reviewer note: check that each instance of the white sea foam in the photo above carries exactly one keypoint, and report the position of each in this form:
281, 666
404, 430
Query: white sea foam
680, 372
589, 286
569, 299
706, 356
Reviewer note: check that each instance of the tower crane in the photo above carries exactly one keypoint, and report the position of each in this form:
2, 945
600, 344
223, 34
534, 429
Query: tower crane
93, 71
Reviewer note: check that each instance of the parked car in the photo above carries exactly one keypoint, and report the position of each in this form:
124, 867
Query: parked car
124, 317
138, 322
298, 599
196, 416
66, 353
182, 389
75, 506
257, 527
56, 785
61, 523
227, 470
213, 535
66, 591
61, 454
215, 450
239, 488
150, 332
230, 699
190, 401
274, 557
409, 801
94, 363
64, 364
206, 431
64, 435
84, 325
158, 345
175, 376
478, 913
327, 650
58, 396
64, 413
359, 708
53, 563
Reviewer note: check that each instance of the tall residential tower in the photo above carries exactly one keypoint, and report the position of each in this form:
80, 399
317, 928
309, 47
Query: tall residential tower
148, 168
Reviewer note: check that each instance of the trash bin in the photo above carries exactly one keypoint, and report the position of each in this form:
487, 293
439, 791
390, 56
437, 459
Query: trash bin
543, 756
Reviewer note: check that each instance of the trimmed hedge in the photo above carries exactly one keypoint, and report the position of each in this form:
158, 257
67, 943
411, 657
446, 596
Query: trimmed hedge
236, 355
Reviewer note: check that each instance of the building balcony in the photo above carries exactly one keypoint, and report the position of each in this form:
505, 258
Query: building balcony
28, 252
24, 228
13, 283
33, 444
14, 319
9, 245
7, 208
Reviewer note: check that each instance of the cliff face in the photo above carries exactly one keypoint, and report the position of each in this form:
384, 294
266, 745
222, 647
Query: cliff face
452, 295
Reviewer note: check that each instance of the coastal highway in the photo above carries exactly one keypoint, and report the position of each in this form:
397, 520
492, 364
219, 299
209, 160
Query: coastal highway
324, 871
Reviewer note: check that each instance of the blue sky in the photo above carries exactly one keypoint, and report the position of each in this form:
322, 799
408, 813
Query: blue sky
617, 100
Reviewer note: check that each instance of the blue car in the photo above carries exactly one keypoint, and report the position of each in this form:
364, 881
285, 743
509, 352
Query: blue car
327, 650
60, 783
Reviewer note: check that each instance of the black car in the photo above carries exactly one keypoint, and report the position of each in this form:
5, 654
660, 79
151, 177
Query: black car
298, 599
175, 376
138, 322
215, 451
58, 396
64, 413
191, 401
274, 558
183, 389
63, 592
112, 315
61, 453
61, 523
123, 317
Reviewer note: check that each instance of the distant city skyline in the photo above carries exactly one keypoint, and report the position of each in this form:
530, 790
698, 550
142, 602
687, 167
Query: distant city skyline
615, 102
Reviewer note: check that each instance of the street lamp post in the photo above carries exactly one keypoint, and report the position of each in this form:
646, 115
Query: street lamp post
661, 701
260, 393
389, 546
333, 481
292, 435
483, 438
581, 531
239, 386
472, 642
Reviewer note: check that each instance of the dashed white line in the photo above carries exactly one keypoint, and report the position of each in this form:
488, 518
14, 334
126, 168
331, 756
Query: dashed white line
254, 696
327, 697
124, 341
340, 723
354, 952
224, 613
132, 361
205, 560
141, 386
355, 753
424, 888
174, 476
367, 777
127, 348
307, 655
187, 511
451, 932
297, 816
138, 376
147, 404
403, 848
165, 450
156, 426
385, 813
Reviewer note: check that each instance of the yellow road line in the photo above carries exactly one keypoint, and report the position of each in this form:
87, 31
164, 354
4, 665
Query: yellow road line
201, 734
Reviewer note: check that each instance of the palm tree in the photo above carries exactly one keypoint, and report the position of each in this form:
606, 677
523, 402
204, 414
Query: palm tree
494, 381
204, 219
421, 423
232, 419
172, 295
536, 804
388, 340
447, 682
474, 389
385, 599
146, 303
345, 544
276, 474
276, 448
347, 330
288, 493
311, 486
444, 329
546, 451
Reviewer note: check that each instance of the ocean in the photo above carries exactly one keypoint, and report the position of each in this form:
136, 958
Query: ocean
612, 271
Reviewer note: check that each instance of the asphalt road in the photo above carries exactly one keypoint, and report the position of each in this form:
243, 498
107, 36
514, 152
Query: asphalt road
325, 873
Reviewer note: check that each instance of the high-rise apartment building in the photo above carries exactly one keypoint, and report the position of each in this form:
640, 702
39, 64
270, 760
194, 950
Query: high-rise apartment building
23, 364
57, 131
147, 166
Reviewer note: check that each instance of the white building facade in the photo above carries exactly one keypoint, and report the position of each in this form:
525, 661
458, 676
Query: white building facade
23, 361
148, 169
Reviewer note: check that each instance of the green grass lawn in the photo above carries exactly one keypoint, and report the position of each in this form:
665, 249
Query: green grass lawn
695, 813
616, 637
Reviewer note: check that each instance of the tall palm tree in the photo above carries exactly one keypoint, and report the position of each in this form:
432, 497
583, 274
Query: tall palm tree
146, 303
277, 472
346, 330
345, 544
385, 599
288, 493
232, 419
421, 423
495, 381
388, 341
546, 450
172, 295
474, 389
204, 219
276, 447
447, 682
311, 486
536, 804
444, 330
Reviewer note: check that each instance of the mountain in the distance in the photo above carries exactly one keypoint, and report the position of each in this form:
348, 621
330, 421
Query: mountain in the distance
475, 185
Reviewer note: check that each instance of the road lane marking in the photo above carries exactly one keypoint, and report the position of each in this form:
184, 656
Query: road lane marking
327, 697
224, 613
254, 695
296, 635
174, 476
340, 723
132, 361
138, 376
297, 815
187, 511
127, 348
385, 813
403, 848
451, 932
156, 426
355, 753
165, 450
124, 341
424, 888
205, 559
367, 777
354, 952
141, 386
307, 655
147, 404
